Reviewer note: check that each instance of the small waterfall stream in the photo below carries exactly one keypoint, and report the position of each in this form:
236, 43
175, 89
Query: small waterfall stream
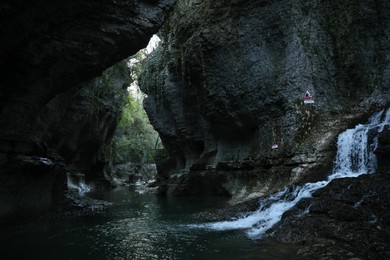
126, 224
77, 182
355, 156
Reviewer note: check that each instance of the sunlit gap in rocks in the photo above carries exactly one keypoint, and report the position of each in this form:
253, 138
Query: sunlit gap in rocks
355, 156
136, 144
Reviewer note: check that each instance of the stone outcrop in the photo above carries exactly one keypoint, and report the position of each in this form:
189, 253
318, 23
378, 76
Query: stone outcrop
58, 111
229, 78
30, 184
348, 218
383, 152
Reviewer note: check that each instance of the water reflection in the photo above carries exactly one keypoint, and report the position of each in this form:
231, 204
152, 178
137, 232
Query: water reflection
133, 226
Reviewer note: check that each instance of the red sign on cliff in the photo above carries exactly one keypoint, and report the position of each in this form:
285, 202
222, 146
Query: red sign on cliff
309, 98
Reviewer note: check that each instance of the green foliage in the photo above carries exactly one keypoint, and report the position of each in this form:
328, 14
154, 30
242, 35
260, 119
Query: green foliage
135, 139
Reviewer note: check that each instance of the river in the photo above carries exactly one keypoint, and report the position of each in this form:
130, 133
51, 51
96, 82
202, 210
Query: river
134, 226
126, 224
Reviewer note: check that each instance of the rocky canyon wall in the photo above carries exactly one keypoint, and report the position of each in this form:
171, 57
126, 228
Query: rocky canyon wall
58, 111
229, 79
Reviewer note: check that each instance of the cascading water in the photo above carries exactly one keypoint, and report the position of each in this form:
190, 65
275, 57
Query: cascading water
355, 156
77, 182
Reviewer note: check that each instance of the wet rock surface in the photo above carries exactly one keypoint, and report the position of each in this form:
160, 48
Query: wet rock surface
383, 152
30, 184
348, 218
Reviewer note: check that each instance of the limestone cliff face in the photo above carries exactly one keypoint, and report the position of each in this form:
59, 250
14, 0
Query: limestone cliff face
79, 124
58, 111
49, 47
77, 127
229, 80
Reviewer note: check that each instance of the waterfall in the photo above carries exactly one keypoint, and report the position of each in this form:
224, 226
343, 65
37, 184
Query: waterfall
355, 156
77, 182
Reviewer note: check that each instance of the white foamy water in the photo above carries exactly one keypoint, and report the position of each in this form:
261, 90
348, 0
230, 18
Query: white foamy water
77, 182
355, 156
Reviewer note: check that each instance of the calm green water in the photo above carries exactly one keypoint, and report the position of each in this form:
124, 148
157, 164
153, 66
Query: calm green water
135, 226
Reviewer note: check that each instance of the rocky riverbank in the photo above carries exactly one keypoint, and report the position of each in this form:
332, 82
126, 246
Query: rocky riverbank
346, 219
